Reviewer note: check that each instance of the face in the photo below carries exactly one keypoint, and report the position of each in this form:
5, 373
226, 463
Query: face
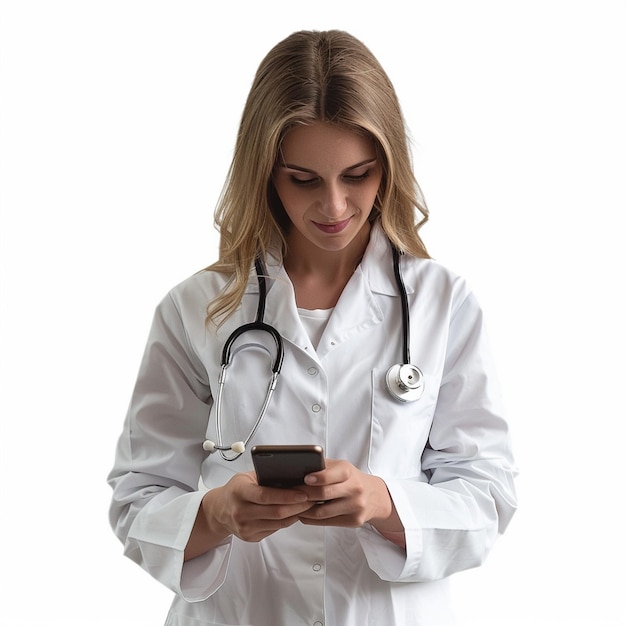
327, 178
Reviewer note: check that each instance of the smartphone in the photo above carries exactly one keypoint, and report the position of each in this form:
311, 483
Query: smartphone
286, 466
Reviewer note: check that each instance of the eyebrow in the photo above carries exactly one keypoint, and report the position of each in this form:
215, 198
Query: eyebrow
291, 166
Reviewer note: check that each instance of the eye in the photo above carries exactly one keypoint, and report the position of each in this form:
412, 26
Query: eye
357, 178
303, 182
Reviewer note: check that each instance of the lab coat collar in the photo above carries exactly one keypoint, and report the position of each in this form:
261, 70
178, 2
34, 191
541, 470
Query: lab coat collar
356, 309
377, 264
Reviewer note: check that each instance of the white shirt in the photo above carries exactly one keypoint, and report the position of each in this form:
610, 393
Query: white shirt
314, 322
446, 458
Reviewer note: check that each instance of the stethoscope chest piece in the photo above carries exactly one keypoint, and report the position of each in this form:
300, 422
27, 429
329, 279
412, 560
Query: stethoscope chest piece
405, 382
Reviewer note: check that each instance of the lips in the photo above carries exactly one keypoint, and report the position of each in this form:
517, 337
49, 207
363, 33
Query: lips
333, 228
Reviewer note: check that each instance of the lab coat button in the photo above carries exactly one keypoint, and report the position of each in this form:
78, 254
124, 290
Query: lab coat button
318, 624
312, 371
316, 408
317, 567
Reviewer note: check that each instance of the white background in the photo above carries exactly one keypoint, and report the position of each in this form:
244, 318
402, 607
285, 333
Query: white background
117, 124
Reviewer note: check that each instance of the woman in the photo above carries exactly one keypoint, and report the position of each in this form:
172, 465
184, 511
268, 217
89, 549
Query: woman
321, 192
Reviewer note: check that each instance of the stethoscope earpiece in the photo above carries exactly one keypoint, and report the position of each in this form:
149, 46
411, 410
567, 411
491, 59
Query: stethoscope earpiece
239, 447
405, 382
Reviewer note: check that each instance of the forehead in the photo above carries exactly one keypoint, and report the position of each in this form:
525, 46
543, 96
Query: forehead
323, 143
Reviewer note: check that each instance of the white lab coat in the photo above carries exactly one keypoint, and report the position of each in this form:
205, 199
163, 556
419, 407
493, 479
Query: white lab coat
446, 458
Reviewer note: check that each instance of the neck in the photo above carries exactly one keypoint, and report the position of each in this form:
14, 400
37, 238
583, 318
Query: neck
319, 276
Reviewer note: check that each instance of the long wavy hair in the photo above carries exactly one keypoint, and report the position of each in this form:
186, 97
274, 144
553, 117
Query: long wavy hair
311, 76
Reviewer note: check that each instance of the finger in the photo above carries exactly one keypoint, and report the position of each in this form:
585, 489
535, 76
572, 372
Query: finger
326, 518
332, 514
278, 512
333, 509
256, 530
335, 472
251, 522
268, 496
330, 491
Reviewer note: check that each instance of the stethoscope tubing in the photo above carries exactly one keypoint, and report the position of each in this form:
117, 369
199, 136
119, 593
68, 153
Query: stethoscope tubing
404, 303
404, 381
258, 325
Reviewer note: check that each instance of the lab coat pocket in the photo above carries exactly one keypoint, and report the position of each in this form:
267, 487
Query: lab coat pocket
398, 431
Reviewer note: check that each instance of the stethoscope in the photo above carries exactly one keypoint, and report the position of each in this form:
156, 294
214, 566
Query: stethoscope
405, 381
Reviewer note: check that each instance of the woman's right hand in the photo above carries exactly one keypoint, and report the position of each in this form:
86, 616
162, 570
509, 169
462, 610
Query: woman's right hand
246, 510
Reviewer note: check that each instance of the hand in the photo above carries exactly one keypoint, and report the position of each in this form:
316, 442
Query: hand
251, 512
350, 498
243, 508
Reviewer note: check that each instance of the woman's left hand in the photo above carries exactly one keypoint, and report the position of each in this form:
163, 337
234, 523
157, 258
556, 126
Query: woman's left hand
351, 498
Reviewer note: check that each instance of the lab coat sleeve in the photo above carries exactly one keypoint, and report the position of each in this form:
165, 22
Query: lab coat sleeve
452, 520
157, 465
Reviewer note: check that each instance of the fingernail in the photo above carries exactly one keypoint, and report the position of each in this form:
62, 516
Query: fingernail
310, 480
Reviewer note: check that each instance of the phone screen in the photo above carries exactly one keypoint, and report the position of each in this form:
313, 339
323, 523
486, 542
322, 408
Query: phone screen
286, 466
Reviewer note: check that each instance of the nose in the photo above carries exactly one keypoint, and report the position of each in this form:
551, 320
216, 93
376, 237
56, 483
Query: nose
335, 201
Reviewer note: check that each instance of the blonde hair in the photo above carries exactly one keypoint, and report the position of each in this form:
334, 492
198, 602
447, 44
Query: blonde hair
310, 76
